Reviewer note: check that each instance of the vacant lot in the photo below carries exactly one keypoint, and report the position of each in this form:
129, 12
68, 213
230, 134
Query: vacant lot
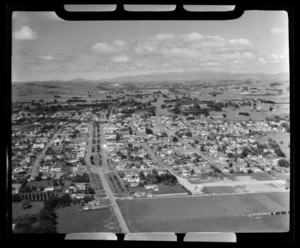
71, 220
209, 213
17, 209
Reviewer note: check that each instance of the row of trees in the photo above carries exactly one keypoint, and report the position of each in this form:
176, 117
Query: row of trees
244, 113
84, 178
276, 148
153, 178
34, 196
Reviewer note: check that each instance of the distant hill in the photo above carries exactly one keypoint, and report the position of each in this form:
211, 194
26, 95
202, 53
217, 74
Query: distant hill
166, 76
197, 75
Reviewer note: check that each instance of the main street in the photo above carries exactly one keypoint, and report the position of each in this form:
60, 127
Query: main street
35, 167
101, 172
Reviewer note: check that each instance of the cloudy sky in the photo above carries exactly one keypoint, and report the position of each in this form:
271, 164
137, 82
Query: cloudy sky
45, 47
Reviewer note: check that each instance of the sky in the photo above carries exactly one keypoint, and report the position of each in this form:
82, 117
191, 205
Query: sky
45, 47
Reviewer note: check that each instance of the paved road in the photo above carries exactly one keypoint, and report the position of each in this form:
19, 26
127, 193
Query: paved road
35, 168
100, 171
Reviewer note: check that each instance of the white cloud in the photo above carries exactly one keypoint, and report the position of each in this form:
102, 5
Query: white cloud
261, 61
283, 56
248, 55
48, 57
144, 49
278, 31
176, 51
104, 48
119, 43
120, 59
25, 33
274, 58
240, 42
192, 37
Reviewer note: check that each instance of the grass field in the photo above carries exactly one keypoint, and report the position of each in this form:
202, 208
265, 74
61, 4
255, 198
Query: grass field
71, 220
17, 209
96, 182
38, 184
218, 190
210, 213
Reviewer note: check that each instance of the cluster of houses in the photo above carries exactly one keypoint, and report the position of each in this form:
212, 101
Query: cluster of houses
67, 149
97, 204
26, 146
85, 116
127, 152
220, 141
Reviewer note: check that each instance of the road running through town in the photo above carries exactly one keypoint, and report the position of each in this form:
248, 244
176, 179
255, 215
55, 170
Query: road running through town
35, 167
100, 171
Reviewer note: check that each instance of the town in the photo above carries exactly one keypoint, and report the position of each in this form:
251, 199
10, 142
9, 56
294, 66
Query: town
97, 152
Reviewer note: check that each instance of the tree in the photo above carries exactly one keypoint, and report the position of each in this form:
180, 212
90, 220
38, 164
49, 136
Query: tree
46, 226
224, 115
245, 151
189, 134
175, 139
90, 191
230, 165
64, 201
142, 175
38, 178
202, 148
118, 137
26, 204
149, 131
163, 106
86, 199
51, 202
47, 214
42, 188
15, 198
55, 183
283, 163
